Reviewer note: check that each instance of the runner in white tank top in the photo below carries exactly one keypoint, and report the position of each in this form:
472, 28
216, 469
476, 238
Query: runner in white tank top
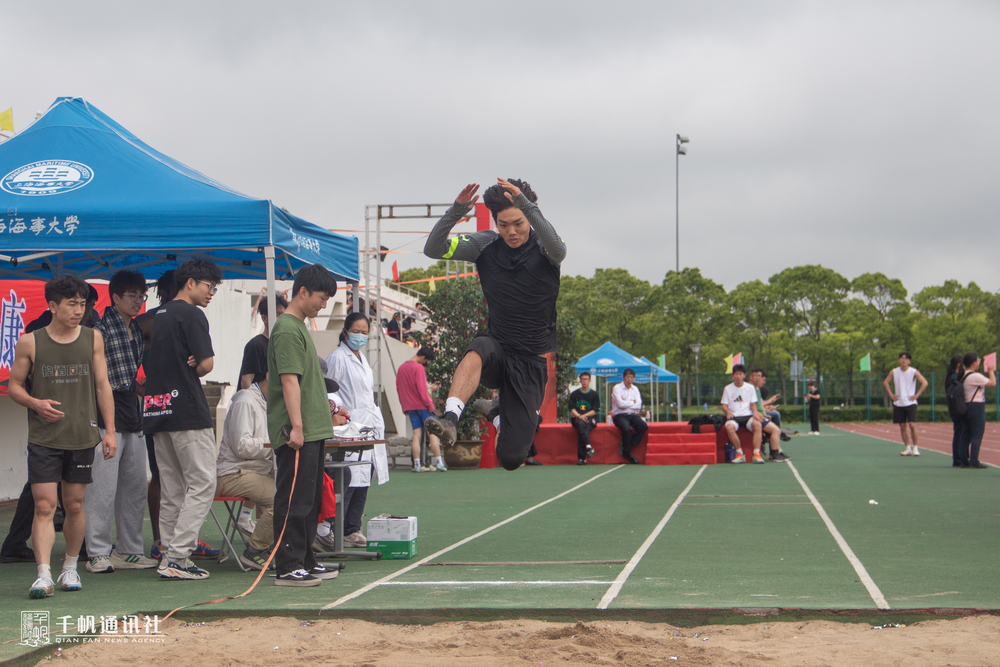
904, 401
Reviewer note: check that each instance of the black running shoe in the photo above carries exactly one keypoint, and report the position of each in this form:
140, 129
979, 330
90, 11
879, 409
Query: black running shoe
298, 578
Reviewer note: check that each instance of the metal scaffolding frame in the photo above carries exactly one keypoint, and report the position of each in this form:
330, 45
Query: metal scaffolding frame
376, 213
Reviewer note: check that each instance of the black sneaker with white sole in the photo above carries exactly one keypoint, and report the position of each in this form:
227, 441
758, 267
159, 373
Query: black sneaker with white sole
780, 457
321, 572
298, 578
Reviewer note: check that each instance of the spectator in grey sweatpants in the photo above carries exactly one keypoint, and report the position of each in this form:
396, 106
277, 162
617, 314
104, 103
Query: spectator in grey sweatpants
118, 492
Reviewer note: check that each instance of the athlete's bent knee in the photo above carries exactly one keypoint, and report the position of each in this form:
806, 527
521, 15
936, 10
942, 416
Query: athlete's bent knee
510, 462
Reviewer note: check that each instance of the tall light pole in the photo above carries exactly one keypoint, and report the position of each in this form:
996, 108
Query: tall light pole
696, 348
681, 150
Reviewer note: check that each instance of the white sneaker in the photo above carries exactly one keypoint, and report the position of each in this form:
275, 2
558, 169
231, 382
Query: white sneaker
69, 580
130, 561
441, 467
246, 525
355, 541
100, 565
42, 588
907, 452
916, 452
416, 467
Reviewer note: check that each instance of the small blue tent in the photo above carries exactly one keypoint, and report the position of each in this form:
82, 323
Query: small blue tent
610, 361
81, 195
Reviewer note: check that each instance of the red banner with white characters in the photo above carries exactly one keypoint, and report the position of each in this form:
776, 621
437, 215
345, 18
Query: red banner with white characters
22, 302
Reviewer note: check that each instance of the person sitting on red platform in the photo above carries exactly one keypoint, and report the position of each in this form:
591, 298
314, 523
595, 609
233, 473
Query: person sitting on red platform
739, 403
583, 406
626, 403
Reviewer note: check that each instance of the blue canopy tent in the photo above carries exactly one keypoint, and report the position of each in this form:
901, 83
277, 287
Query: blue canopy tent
610, 361
81, 195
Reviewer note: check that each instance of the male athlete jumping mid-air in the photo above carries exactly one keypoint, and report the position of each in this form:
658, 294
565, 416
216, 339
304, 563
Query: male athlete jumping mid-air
519, 272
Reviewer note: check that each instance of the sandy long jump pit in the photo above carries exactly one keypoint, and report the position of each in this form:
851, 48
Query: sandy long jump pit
255, 641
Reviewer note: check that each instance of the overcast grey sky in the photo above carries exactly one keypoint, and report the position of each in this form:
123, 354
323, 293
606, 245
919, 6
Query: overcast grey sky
858, 135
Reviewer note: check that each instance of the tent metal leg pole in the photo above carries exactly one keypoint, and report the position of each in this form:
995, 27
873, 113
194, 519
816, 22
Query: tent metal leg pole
272, 306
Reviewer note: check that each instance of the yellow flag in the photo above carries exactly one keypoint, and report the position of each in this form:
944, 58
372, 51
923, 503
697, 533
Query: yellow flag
430, 285
729, 364
7, 120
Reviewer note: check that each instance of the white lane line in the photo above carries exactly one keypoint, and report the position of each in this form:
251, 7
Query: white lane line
364, 589
623, 576
497, 583
873, 590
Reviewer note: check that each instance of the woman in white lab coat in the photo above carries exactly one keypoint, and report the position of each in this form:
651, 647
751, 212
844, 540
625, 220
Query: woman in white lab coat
348, 366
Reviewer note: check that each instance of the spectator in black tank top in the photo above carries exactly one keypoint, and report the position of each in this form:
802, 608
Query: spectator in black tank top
518, 268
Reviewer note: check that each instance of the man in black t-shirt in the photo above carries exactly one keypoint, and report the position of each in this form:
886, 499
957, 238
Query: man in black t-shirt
518, 268
254, 366
583, 406
176, 412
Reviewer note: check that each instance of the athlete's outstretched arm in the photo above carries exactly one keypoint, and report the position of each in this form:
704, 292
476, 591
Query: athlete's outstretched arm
465, 247
553, 246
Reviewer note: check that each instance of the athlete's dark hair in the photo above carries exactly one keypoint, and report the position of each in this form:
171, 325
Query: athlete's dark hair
907, 355
497, 201
127, 281
587, 373
427, 353
955, 363
349, 322
740, 367
59, 289
967, 360
628, 371
755, 369
279, 302
166, 287
198, 270
314, 278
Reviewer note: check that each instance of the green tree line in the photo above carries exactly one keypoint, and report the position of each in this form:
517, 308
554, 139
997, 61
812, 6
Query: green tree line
827, 320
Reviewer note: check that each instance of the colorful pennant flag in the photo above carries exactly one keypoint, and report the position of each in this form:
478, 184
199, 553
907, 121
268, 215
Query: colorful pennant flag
729, 364
7, 120
395, 272
866, 362
662, 360
431, 285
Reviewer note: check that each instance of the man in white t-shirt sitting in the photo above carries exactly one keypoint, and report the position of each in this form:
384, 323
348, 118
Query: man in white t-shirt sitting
904, 401
739, 403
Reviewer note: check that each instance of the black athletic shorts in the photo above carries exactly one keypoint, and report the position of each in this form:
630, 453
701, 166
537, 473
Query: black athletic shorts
521, 381
901, 415
49, 465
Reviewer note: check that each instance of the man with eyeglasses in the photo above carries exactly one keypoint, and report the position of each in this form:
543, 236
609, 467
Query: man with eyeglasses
118, 492
176, 412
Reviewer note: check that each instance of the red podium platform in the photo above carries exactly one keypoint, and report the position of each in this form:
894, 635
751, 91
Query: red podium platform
665, 443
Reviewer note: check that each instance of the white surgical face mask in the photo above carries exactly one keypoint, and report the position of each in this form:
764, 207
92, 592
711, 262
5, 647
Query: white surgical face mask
356, 341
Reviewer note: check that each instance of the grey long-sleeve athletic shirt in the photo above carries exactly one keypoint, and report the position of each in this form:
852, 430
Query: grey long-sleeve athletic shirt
521, 285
